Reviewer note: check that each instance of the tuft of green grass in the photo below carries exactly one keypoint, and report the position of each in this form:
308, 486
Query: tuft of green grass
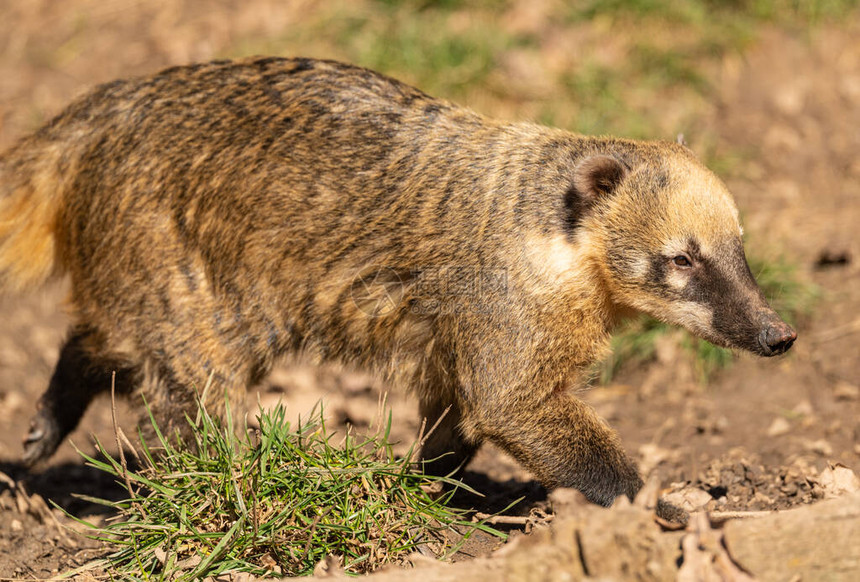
699, 11
791, 297
444, 47
275, 503
635, 343
636, 68
665, 52
445, 62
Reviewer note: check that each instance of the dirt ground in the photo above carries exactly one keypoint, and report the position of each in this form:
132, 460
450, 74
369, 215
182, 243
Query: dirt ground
755, 437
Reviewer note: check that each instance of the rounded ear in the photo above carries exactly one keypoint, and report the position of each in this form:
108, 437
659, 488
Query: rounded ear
595, 176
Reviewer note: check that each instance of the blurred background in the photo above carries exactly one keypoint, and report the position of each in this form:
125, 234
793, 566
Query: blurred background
766, 92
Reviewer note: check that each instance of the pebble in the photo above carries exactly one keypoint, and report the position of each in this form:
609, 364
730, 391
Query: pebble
688, 498
803, 408
821, 447
846, 391
778, 427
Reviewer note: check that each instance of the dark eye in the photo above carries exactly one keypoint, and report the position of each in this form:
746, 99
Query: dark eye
682, 261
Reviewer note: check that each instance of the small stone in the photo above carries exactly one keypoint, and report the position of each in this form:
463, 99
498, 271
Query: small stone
803, 408
778, 427
821, 447
688, 498
790, 100
16, 525
846, 391
762, 498
789, 489
838, 480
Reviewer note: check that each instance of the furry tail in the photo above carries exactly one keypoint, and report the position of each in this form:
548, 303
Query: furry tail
31, 184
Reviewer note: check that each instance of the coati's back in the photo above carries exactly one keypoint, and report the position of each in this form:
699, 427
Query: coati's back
240, 199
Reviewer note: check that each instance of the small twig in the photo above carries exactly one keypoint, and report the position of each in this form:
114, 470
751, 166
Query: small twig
4, 478
511, 519
117, 432
61, 529
433, 428
838, 332
127, 443
311, 535
422, 436
419, 441
723, 516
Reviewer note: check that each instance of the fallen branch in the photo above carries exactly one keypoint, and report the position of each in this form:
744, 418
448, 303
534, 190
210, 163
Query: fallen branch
724, 516
512, 519
837, 332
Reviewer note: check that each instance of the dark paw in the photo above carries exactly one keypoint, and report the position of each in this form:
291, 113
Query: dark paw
42, 440
672, 513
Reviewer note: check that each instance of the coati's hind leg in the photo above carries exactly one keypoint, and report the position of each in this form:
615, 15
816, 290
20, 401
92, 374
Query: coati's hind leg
446, 448
84, 370
173, 387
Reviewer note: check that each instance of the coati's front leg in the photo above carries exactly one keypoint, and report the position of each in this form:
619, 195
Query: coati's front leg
563, 442
513, 369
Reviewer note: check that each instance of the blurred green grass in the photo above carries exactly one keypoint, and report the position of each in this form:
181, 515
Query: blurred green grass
627, 59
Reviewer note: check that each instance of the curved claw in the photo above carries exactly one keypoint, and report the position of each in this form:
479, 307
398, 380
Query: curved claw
42, 439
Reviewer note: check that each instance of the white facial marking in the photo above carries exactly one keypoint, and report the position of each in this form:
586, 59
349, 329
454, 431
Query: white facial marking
554, 260
552, 256
677, 279
674, 248
640, 267
693, 316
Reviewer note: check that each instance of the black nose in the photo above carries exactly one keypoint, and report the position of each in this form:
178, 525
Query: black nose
777, 339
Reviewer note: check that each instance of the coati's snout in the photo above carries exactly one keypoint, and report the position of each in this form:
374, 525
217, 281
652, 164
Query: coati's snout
776, 338
713, 294
720, 281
